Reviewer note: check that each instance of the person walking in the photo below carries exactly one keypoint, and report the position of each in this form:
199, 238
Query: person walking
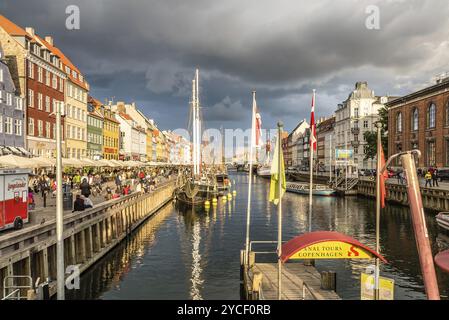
428, 178
85, 188
435, 177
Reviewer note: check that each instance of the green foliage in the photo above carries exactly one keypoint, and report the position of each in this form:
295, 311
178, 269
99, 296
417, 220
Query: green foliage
371, 137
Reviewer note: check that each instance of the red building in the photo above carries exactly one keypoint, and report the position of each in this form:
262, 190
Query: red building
38, 74
420, 120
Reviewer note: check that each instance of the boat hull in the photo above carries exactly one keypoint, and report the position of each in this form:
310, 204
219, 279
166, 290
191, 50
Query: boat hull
443, 221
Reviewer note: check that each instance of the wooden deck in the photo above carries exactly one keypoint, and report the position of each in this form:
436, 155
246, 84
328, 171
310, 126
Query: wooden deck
294, 275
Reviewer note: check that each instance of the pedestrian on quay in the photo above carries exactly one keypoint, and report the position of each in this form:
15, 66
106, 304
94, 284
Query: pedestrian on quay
428, 178
88, 203
31, 203
116, 194
78, 205
435, 178
85, 188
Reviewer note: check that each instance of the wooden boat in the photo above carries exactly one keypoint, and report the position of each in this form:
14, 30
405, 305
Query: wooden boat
264, 171
303, 188
443, 220
223, 183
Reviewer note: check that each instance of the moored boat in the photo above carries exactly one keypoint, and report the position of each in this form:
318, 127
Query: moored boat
443, 220
303, 188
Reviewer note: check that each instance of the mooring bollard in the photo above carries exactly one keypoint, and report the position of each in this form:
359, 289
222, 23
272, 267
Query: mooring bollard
329, 280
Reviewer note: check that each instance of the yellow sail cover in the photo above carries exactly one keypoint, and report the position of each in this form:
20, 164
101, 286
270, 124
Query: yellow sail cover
275, 193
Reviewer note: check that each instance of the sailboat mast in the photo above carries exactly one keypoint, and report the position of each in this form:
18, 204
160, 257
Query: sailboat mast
194, 131
198, 124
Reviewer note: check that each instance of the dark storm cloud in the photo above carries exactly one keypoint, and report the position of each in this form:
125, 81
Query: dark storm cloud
147, 51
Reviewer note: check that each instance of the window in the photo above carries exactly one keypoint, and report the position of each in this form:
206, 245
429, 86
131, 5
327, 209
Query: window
30, 98
415, 119
1, 124
47, 104
31, 126
47, 78
40, 77
431, 153
356, 112
447, 151
19, 103
48, 130
69, 131
18, 127
40, 128
431, 112
399, 122
61, 85
39, 101
31, 70
9, 99
8, 125
365, 124
55, 82
447, 114
1, 75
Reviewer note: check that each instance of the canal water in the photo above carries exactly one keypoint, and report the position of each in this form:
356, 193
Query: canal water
185, 255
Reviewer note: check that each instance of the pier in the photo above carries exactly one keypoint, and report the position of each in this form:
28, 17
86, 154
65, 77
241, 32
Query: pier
299, 281
30, 254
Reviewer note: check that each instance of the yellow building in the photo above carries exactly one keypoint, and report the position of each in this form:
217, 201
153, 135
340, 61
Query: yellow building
111, 134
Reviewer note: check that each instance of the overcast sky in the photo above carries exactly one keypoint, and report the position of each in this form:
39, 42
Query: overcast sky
147, 51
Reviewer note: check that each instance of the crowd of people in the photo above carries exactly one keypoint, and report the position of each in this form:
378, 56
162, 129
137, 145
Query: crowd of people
85, 184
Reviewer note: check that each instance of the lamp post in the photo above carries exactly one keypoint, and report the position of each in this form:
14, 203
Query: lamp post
60, 271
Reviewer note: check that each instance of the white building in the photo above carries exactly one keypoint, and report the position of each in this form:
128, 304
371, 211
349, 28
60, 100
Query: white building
129, 137
140, 123
353, 118
295, 145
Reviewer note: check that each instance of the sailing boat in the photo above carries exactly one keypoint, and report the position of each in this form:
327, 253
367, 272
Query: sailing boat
201, 185
264, 170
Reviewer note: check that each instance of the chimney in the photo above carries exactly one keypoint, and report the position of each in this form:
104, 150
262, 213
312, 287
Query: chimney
30, 31
49, 39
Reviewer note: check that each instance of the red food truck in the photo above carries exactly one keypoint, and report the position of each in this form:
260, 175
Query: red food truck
13, 198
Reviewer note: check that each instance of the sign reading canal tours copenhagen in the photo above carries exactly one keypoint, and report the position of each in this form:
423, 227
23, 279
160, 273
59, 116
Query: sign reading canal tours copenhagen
332, 250
326, 245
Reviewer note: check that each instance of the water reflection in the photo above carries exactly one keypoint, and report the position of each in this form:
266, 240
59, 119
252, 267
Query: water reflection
195, 255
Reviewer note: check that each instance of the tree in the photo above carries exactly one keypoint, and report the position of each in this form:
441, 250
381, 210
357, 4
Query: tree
371, 136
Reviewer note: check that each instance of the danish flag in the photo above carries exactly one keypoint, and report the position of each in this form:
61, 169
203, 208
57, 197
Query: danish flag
313, 141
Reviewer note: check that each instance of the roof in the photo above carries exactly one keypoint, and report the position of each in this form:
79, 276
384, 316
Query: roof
305, 240
125, 116
442, 86
66, 62
13, 29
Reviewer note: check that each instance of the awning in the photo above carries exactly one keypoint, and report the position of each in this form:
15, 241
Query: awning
326, 245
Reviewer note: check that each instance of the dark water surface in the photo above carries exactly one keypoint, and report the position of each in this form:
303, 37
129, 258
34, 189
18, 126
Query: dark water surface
185, 255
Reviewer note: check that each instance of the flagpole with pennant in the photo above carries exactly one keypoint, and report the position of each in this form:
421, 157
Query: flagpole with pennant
254, 141
313, 145
380, 203
277, 190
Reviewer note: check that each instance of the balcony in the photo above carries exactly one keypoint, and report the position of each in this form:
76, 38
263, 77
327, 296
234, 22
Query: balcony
355, 143
355, 130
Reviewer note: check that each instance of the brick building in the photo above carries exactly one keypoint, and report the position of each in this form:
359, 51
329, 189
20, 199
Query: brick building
38, 76
420, 120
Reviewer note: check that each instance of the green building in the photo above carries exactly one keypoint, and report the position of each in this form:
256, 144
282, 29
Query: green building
95, 122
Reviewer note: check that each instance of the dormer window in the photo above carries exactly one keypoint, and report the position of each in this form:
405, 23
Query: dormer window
67, 69
74, 74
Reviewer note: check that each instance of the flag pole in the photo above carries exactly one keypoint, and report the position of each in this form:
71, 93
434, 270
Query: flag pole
311, 146
280, 125
248, 209
378, 196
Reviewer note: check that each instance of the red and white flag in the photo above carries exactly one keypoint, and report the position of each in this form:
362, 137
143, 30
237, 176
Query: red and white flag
256, 127
313, 140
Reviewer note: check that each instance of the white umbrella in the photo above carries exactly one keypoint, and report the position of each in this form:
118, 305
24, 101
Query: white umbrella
89, 162
44, 162
12, 161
